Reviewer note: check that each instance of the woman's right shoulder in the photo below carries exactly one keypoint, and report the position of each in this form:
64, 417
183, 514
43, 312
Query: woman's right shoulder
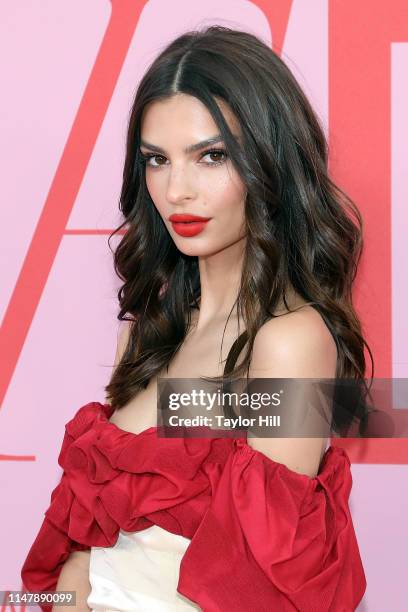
123, 335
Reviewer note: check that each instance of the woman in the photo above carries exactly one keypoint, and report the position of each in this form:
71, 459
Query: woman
256, 281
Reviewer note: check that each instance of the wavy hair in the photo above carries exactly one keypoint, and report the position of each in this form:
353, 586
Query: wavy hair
302, 229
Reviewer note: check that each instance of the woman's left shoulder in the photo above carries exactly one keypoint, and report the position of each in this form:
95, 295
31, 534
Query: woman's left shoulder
295, 344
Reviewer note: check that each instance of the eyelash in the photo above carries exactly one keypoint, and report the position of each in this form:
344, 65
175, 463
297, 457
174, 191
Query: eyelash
145, 158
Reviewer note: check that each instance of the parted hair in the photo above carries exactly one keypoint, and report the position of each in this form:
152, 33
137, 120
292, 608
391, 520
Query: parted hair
302, 229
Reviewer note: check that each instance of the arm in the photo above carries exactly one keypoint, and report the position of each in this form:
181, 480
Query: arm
74, 576
297, 345
279, 518
54, 560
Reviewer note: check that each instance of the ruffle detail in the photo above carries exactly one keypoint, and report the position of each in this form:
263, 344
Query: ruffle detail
120, 480
261, 535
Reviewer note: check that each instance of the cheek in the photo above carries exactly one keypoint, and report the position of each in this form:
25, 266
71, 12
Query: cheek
227, 199
156, 190
151, 184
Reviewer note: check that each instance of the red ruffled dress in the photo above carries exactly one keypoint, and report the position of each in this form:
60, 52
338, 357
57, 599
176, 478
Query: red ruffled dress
263, 537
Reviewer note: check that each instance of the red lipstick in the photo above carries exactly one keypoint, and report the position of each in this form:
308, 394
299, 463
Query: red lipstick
188, 225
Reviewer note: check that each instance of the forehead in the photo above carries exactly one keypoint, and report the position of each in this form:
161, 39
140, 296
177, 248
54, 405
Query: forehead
183, 118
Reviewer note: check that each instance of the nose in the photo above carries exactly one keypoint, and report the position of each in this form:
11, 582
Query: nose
180, 185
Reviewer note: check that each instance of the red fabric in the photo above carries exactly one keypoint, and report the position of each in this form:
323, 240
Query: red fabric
263, 537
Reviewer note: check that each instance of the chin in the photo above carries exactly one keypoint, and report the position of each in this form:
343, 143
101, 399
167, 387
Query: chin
194, 251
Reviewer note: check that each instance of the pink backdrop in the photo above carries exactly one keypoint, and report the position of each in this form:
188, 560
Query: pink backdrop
70, 70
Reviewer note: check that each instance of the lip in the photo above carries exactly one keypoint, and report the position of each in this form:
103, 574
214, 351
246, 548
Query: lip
185, 218
188, 225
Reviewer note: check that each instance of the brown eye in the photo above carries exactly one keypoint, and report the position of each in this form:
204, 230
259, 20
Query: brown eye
219, 154
147, 158
159, 160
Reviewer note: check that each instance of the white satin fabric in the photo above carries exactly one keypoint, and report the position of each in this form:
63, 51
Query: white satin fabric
139, 573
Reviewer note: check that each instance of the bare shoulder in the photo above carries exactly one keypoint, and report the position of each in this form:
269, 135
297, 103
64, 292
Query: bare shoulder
122, 340
121, 343
296, 344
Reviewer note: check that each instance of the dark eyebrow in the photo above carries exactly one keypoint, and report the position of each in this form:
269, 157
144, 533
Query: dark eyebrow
190, 149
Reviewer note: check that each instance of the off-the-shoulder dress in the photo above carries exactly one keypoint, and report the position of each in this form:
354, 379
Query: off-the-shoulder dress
251, 533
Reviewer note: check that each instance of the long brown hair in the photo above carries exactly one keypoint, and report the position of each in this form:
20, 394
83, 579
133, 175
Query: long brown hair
302, 229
